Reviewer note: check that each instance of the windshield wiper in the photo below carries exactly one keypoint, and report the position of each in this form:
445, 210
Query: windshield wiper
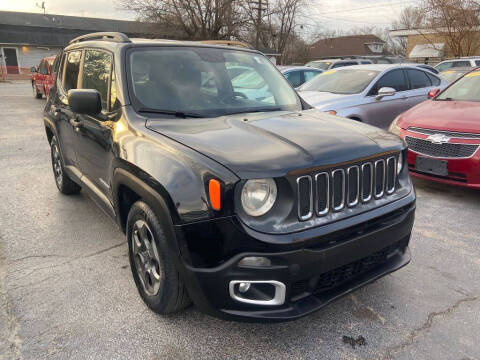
446, 99
245, 111
179, 114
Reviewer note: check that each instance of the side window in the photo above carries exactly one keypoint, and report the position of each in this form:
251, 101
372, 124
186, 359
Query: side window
444, 66
435, 80
477, 62
461, 64
309, 75
114, 103
294, 78
342, 64
364, 62
72, 68
97, 68
418, 79
394, 79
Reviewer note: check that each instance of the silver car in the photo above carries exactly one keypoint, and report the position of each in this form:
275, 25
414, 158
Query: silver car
374, 94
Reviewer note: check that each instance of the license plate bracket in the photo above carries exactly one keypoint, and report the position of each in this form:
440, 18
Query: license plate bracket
432, 166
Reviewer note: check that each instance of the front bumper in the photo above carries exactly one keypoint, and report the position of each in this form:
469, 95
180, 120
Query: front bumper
314, 272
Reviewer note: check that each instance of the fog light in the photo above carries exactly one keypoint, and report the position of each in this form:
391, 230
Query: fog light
258, 292
243, 287
255, 261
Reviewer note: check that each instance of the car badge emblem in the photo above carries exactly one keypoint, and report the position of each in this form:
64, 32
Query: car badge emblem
438, 139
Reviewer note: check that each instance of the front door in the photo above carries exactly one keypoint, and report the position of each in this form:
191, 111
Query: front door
95, 134
11, 60
381, 112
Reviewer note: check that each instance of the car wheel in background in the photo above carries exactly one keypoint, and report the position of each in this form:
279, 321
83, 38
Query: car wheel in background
151, 262
38, 95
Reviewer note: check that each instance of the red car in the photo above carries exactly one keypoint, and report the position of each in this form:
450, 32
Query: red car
443, 134
42, 77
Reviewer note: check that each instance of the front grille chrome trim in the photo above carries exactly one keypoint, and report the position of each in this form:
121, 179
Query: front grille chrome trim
380, 194
369, 197
391, 190
322, 212
342, 204
310, 213
354, 202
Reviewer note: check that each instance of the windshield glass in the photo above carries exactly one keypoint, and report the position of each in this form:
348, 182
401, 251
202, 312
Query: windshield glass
451, 75
465, 89
345, 81
207, 81
322, 65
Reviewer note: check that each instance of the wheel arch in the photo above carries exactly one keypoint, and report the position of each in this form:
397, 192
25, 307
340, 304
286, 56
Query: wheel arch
127, 188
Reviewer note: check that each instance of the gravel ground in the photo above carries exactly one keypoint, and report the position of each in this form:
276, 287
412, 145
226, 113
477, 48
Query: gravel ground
66, 290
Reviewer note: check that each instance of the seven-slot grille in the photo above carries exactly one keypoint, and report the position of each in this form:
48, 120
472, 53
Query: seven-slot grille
346, 187
445, 150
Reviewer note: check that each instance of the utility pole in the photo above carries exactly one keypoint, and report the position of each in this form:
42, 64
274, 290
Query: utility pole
259, 7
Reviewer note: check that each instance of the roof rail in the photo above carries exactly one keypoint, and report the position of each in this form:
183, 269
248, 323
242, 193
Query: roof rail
102, 36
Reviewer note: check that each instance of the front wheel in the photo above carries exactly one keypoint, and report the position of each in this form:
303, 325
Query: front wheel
151, 262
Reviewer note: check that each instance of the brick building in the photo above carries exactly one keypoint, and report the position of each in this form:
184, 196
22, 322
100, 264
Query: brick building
25, 38
426, 43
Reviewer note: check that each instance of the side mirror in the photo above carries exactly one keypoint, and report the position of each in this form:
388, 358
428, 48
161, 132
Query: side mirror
433, 93
33, 69
385, 91
85, 101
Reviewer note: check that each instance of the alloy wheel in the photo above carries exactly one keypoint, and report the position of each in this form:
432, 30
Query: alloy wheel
146, 257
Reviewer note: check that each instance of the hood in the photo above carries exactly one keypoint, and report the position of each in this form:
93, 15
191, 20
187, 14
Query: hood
272, 144
327, 101
458, 116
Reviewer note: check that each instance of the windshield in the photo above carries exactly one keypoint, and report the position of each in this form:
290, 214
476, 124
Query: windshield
322, 65
465, 89
345, 81
451, 75
207, 82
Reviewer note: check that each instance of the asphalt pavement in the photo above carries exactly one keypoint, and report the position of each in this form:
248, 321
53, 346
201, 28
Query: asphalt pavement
66, 291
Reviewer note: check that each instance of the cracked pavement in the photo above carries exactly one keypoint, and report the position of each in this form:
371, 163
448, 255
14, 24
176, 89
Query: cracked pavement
66, 289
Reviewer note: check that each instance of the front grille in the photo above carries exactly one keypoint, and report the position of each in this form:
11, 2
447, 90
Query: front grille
346, 187
448, 133
445, 150
339, 276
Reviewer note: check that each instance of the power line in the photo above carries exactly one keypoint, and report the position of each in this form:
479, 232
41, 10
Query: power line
366, 7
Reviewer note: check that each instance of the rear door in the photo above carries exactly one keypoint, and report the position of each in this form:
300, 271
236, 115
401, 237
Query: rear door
64, 118
420, 84
381, 112
42, 77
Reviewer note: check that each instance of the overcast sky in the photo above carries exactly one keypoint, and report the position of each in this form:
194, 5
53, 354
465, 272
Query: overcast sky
331, 14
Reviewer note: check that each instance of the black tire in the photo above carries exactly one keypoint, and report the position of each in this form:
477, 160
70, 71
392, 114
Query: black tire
170, 295
38, 95
64, 184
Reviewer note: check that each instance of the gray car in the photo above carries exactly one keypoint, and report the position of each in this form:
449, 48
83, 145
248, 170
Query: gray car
374, 94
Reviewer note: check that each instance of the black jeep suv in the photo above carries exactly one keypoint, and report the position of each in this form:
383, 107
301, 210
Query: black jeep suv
231, 190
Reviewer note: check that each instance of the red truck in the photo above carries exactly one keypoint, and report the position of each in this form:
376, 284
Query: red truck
43, 77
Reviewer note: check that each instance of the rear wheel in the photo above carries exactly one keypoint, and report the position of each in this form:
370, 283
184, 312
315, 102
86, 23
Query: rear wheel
36, 94
64, 184
151, 262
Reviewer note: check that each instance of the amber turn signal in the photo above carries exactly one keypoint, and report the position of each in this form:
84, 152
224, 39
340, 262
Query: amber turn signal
214, 192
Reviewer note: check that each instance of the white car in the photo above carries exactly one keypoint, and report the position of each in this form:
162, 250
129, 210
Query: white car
465, 62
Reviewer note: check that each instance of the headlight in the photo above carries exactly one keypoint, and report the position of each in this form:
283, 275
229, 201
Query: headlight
258, 196
400, 163
394, 128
